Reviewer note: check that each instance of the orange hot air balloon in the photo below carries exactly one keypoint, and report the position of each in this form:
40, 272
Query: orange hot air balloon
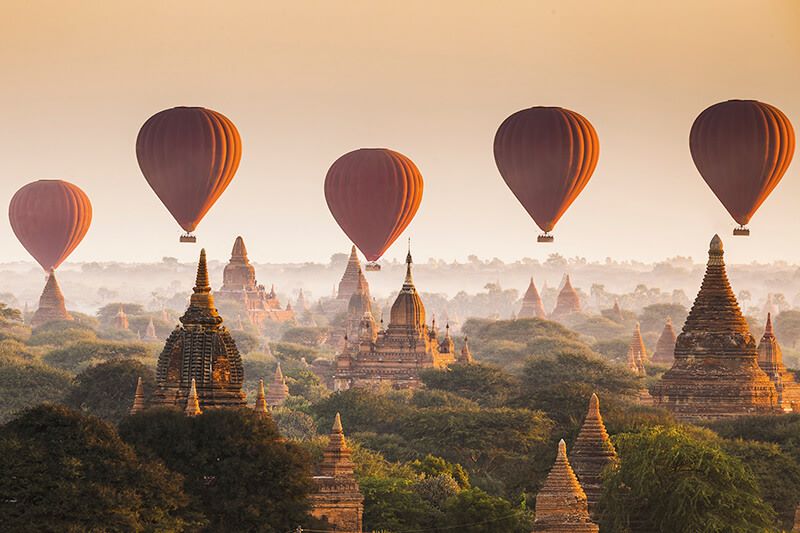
50, 218
188, 155
373, 193
742, 149
546, 156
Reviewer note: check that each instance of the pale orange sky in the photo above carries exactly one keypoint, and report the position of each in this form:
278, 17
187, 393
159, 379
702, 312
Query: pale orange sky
308, 81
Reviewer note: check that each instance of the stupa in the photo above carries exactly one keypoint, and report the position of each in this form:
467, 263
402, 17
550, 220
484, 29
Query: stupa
352, 278
715, 373
592, 453
150, 332
616, 312
51, 304
568, 301
338, 498
770, 359
465, 356
200, 350
261, 406
278, 391
138, 398
121, 319
532, 304
561, 505
637, 353
665, 347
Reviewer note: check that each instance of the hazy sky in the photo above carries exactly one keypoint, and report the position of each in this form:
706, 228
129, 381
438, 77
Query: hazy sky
308, 81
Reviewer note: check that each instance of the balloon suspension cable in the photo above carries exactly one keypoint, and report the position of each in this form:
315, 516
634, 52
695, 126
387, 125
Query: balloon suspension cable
545, 237
741, 231
188, 237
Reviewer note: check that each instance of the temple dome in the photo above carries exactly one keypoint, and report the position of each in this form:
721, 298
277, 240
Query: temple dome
407, 309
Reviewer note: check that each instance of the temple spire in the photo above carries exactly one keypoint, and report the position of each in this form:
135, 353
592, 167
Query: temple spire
278, 391
637, 353
51, 303
261, 400
201, 296
409, 281
239, 252
336, 460
138, 398
665, 346
532, 306
561, 503
192, 402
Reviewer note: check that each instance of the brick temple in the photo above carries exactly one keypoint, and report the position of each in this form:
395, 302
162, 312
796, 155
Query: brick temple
568, 301
770, 359
51, 303
532, 304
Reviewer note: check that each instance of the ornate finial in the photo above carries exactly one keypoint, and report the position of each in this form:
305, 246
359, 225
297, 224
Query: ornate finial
192, 403
201, 284
768, 331
716, 244
594, 406
337, 424
638, 328
562, 451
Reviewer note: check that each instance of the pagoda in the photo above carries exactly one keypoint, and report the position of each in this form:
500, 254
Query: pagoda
357, 306
150, 332
51, 303
351, 279
261, 406
239, 286
200, 353
616, 312
278, 391
561, 505
532, 304
665, 347
394, 355
592, 453
301, 305
121, 319
337, 497
138, 398
770, 359
465, 355
715, 373
637, 353
568, 301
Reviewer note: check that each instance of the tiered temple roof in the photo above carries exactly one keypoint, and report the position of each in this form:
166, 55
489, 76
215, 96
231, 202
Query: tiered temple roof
716, 372
261, 406
138, 398
561, 505
278, 391
239, 285
592, 453
394, 355
532, 304
121, 319
568, 301
51, 304
200, 350
637, 353
352, 277
338, 498
301, 305
770, 359
465, 356
665, 347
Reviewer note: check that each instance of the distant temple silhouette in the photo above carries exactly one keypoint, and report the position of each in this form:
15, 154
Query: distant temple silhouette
51, 304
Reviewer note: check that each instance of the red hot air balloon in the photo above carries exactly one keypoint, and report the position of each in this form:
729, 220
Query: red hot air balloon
50, 218
188, 155
373, 193
546, 156
742, 149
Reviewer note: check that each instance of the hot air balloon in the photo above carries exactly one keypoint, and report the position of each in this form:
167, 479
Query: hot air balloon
373, 193
188, 155
546, 156
50, 218
742, 149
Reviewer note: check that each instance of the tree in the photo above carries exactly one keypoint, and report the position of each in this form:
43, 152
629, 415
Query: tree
24, 384
61, 333
238, 470
363, 410
8, 314
675, 479
306, 336
654, 316
787, 327
63, 471
78, 354
106, 390
783, 430
474, 511
485, 384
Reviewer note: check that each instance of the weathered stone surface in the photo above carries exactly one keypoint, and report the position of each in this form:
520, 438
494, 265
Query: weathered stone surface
338, 498
568, 301
592, 453
665, 347
716, 372
239, 285
770, 359
138, 398
532, 304
200, 349
278, 391
394, 355
51, 304
192, 402
637, 353
561, 505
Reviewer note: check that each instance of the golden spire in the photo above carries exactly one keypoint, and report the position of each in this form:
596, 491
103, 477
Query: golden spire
192, 403
138, 398
261, 399
201, 296
409, 281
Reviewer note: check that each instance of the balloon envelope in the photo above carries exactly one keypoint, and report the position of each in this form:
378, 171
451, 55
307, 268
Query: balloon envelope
546, 156
189, 156
742, 149
373, 193
50, 218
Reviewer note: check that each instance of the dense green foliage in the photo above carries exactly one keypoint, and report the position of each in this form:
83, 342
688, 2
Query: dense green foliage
106, 390
239, 473
80, 354
63, 471
25, 383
